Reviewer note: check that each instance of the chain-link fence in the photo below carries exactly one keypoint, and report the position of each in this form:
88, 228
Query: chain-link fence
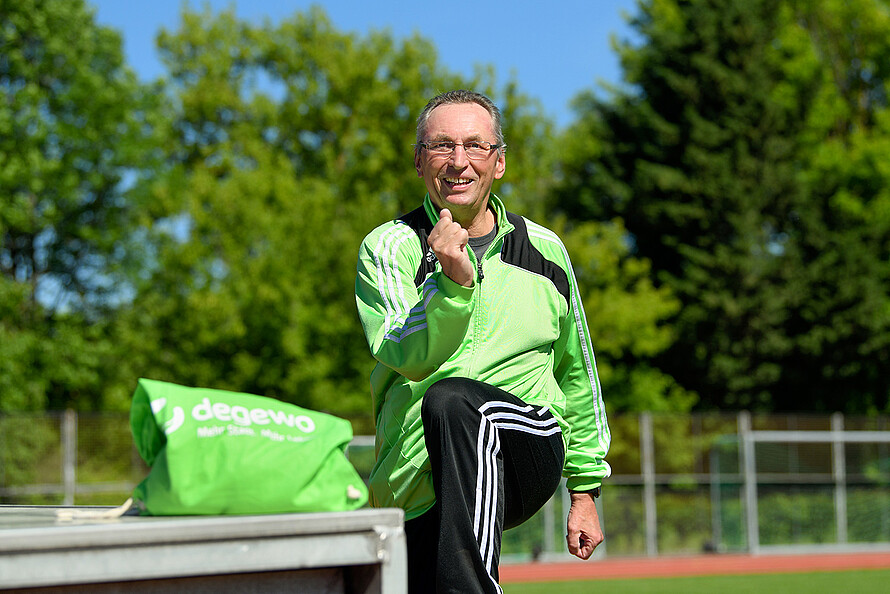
680, 484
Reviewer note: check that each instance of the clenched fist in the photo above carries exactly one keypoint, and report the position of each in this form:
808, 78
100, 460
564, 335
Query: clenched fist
448, 241
583, 531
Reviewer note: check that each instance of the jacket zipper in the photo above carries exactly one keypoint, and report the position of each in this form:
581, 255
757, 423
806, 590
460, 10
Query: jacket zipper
477, 323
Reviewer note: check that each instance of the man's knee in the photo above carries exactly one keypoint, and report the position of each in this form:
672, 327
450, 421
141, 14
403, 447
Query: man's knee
446, 397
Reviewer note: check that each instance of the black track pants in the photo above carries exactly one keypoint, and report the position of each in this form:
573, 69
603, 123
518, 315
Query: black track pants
495, 461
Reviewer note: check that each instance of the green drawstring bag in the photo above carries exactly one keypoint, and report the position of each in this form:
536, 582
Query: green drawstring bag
217, 452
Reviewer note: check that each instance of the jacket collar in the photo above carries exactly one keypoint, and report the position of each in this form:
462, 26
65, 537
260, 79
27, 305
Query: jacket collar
500, 211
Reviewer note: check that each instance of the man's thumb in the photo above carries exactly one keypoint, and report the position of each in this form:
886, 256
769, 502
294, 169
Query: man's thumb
445, 214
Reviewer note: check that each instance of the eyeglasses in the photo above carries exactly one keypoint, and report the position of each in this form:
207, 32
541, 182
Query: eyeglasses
475, 149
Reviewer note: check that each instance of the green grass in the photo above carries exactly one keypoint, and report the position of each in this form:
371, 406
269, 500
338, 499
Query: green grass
858, 582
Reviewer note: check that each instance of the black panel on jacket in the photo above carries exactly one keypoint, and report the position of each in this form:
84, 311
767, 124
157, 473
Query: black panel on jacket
418, 220
519, 251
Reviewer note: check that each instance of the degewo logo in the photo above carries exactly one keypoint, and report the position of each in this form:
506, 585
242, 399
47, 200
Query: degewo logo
239, 415
243, 416
175, 422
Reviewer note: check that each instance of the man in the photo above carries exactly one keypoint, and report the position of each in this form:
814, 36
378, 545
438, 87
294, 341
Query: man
485, 391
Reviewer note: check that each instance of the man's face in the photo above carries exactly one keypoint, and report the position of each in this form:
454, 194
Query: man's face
456, 182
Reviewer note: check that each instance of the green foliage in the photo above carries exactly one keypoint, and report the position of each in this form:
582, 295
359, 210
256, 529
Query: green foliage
742, 157
623, 520
107, 451
527, 540
29, 450
844, 234
684, 524
727, 212
868, 512
530, 157
73, 125
626, 315
801, 516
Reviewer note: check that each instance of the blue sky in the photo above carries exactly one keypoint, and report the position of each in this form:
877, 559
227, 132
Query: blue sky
555, 49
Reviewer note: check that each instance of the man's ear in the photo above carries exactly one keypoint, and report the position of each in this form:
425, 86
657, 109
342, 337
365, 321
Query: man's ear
417, 166
501, 166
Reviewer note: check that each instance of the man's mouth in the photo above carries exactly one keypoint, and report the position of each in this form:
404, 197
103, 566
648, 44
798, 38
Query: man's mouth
458, 182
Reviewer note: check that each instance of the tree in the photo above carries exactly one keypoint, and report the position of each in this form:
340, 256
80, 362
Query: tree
626, 315
842, 329
709, 156
72, 131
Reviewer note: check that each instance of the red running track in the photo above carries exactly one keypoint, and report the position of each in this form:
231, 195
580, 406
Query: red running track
716, 564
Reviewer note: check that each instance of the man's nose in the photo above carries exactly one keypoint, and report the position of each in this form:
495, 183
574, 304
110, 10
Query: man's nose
459, 156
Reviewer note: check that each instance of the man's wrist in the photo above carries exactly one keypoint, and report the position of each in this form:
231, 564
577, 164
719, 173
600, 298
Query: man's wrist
595, 492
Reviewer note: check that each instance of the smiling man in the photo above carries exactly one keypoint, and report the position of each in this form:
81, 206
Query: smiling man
485, 390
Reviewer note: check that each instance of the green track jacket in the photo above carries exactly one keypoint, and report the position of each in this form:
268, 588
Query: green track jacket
521, 327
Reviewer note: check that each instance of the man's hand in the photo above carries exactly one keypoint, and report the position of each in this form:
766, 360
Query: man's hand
448, 241
583, 532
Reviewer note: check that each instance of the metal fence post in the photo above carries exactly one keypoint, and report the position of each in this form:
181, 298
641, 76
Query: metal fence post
749, 469
716, 502
69, 456
647, 461
549, 544
602, 551
839, 466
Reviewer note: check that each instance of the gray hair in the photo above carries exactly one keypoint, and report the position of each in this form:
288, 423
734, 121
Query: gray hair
457, 97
